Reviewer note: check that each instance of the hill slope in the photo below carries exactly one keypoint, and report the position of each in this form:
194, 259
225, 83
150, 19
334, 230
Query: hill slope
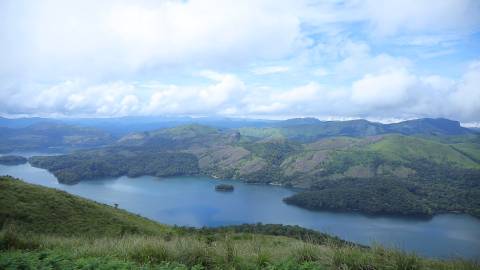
49, 229
32, 208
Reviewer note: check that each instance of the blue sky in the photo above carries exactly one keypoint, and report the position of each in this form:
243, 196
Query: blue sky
381, 60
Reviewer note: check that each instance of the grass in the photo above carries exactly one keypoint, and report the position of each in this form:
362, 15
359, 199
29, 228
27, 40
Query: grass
61, 240
230, 252
37, 209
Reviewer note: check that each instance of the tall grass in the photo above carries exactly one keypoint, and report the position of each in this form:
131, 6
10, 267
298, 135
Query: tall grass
232, 251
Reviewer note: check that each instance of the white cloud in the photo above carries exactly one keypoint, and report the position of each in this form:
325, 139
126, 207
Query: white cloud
270, 70
399, 93
308, 99
221, 95
62, 39
350, 59
120, 37
122, 98
394, 16
465, 98
383, 90
266, 109
386, 94
321, 72
137, 57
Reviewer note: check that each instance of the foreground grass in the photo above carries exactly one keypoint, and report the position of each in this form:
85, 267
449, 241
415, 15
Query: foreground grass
225, 251
47, 229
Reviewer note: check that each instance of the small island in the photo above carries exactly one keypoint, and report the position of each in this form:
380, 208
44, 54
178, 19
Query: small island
224, 188
12, 160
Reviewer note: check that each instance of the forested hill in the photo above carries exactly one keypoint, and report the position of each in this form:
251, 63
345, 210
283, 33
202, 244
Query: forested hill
430, 174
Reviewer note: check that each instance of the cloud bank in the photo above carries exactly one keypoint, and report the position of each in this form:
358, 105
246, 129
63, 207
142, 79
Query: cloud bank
372, 58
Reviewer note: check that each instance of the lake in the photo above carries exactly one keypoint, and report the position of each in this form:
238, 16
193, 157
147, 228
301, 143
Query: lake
193, 201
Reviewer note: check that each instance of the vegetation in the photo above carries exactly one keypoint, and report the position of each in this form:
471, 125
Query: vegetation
34, 209
373, 196
224, 187
111, 162
12, 160
291, 231
28, 241
433, 189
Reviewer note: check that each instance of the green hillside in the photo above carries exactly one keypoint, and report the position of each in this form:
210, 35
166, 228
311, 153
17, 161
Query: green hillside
44, 228
404, 148
31, 208
471, 150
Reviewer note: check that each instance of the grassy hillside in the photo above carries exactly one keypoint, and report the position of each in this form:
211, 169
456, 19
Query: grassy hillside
471, 150
31, 208
44, 228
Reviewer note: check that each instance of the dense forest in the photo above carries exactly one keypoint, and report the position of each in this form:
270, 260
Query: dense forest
117, 162
435, 189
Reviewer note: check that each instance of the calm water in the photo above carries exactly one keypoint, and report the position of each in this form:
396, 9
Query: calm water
193, 201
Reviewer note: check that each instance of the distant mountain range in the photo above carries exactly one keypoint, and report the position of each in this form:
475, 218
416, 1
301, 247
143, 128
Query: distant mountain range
311, 129
120, 126
297, 128
51, 136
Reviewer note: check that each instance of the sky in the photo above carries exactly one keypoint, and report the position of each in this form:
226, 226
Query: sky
374, 59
